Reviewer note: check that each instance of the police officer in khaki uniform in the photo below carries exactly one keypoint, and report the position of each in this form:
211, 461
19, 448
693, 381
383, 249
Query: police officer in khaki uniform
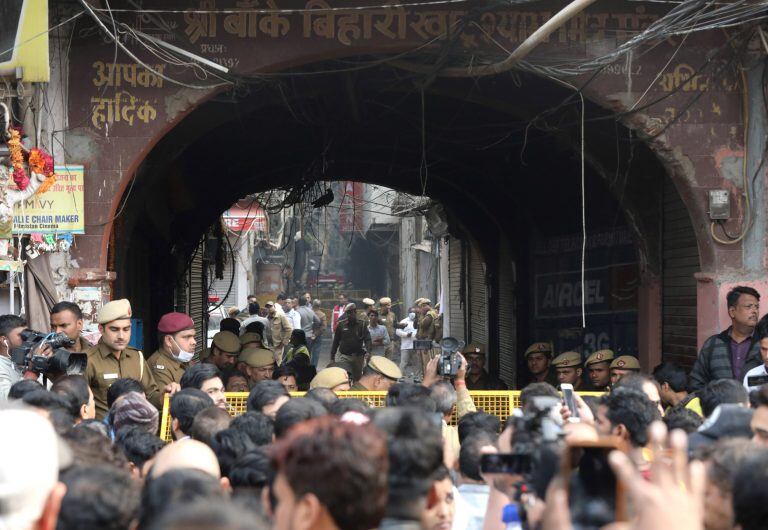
538, 357
568, 367
388, 318
112, 358
281, 330
259, 364
599, 370
380, 374
426, 329
176, 335
623, 365
225, 347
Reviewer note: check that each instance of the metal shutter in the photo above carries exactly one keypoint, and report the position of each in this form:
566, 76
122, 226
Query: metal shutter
220, 287
456, 290
680, 260
478, 298
507, 317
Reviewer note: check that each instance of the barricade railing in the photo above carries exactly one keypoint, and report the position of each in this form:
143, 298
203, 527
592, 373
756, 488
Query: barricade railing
500, 403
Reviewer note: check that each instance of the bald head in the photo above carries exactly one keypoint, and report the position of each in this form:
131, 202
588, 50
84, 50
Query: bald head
186, 454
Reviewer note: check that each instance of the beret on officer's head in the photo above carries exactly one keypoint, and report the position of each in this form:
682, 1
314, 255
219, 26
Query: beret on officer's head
114, 310
385, 300
171, 323
329, 378
250, 338
368, 301
226, 341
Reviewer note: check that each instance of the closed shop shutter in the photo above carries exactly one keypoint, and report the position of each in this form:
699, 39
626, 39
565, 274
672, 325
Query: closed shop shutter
456, 290
220, 287
478, 298
507, 317
680, 260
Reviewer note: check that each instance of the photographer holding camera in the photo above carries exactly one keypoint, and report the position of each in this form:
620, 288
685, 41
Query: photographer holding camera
67, 318
11, 327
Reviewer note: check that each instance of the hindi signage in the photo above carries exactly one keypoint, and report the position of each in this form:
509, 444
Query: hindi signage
57, 211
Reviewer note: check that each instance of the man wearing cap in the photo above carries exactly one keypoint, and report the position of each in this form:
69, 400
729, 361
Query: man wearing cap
112, 358
477, 377
225, 348
538, 357
334, 378
599, 370
426, 328
259, 364
176, 336
568, 367
388, 319
623, 365
378, 375
352, 340
281, 330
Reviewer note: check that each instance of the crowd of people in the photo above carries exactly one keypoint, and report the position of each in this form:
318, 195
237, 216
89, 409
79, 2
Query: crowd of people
665, 449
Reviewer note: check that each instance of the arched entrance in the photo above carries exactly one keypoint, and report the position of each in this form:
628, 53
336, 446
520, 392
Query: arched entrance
512, 194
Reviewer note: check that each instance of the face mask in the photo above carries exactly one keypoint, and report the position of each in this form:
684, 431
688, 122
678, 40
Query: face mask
411, 316
182, 356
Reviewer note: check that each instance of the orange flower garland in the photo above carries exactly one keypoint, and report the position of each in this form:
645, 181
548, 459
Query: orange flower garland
39, 162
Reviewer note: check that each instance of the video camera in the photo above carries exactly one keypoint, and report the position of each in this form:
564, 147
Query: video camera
62, 361
449, 363
536, 440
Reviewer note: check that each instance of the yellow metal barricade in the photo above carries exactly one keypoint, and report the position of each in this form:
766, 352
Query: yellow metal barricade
500, 403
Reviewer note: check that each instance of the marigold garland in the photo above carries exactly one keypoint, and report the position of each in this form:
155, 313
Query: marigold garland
39, 162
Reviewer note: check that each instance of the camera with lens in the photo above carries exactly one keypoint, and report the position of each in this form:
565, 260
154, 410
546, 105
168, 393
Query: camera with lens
62, 361
536, 442
449, 362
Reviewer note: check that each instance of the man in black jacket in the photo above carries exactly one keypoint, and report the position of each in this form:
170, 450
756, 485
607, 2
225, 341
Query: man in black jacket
730, 354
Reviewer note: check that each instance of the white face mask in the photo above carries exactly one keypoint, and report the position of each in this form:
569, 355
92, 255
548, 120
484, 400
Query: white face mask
182, 356
411, 316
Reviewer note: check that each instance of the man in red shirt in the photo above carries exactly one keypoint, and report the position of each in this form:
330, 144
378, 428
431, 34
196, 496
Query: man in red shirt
338, 310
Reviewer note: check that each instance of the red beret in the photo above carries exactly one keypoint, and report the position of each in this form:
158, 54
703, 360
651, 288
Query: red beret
175, 322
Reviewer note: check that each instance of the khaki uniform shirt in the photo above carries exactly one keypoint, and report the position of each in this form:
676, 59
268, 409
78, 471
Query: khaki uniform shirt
427, 328
165, 369
281, 331
323, 323
104, 369
357, 387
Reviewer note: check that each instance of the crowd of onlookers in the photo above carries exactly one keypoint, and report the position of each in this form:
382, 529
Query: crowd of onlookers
85, 451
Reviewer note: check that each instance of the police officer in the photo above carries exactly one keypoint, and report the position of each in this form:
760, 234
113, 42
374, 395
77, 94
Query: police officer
333, 377
569, 368
380, 374
176, 335
426, 329
388, 318
599, 370
477, 377
538, 357
352, 340
623, 365
259, 364
281, 327
112, 358
225, 348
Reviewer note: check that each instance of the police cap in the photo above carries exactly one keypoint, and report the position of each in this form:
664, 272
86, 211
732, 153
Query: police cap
626, 362
385, 367
474, 348
600, 356
114, 310
257, 357
329, 378
250, 338
171, 323
226, 341
539, 347
569, 359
